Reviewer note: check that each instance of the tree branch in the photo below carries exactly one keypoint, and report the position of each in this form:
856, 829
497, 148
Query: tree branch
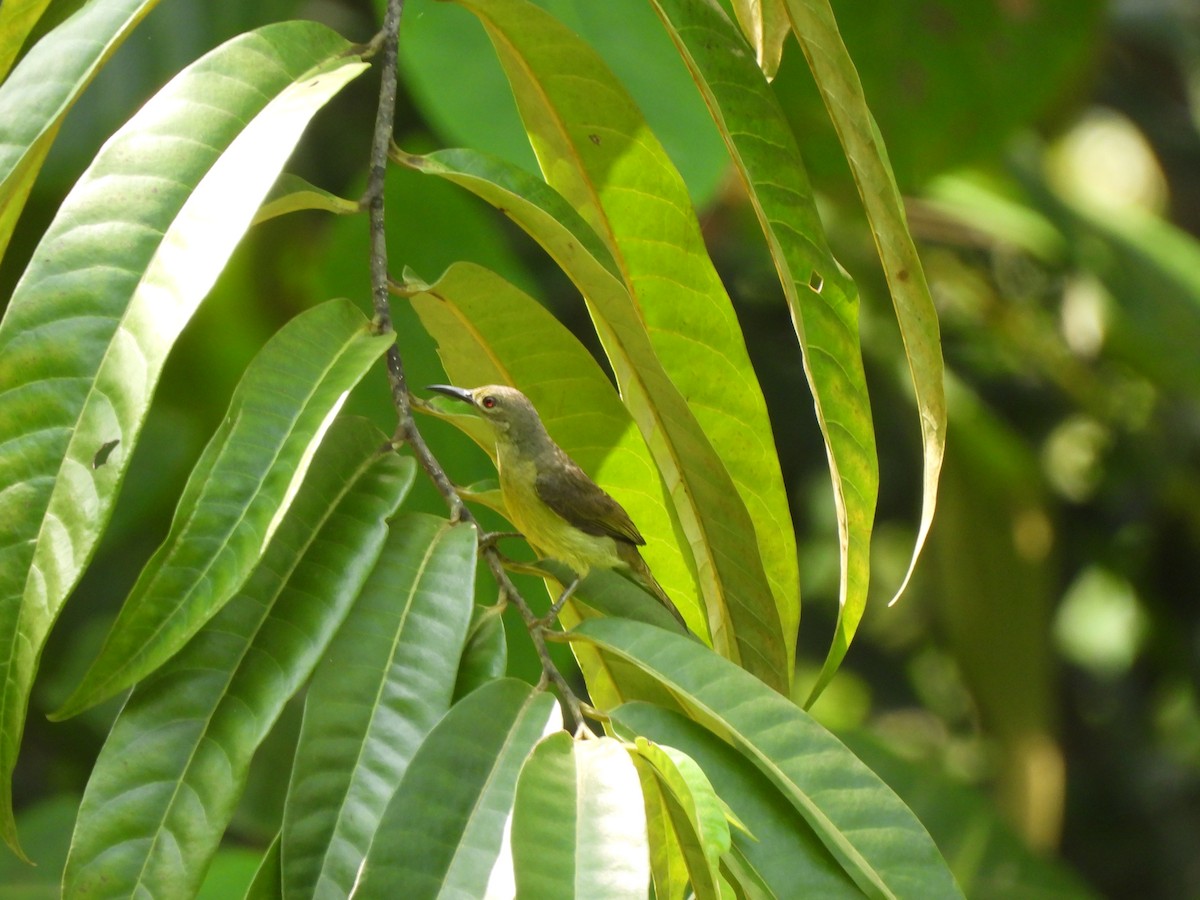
406, 427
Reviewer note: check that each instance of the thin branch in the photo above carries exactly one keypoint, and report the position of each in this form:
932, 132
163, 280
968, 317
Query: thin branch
406, 427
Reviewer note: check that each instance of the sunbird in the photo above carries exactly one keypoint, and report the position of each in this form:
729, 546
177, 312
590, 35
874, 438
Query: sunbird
559, 510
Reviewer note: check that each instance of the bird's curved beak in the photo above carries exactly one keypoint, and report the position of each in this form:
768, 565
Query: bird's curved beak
450, 391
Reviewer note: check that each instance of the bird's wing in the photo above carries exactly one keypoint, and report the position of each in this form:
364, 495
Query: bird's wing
567, 490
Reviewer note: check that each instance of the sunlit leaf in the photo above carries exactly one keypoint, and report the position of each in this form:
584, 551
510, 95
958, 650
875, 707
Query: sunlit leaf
780, 850
742, 616
17, 19
579, 827
766, 26
873, 836
445, 832
292, 193
595, 148
696, 813
667, 867
821, 296
238, 492
611, 593
172, 769
38, 93
133, 250
384, 682
842, 92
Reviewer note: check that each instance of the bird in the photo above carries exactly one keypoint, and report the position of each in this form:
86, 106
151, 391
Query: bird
559, 510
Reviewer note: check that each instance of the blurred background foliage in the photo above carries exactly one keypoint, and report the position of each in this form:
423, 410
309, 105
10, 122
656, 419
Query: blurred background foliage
1048, 652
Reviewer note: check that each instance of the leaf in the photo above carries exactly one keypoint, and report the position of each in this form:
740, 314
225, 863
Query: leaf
230, 874
821, 296
385, 681
48, 81
608, 592
484, 328
17, 19
131, 253
238, 492
292, 193
766, 26
667, 867
268, 880
445, 832
485, 656
873, 836
696, 813
837, 80
175, 762
595, 149
742, 617
781, 850
579, 826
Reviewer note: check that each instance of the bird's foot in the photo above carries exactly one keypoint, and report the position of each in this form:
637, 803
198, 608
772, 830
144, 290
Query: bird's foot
552, 613
488, 540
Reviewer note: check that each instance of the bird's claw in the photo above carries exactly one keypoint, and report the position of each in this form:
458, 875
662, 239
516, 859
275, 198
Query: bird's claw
546, 621
488, 540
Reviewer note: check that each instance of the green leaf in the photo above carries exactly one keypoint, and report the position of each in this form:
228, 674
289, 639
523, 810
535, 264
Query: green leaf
485, 328
821, 296
48, 81
385, 681
176, 760
485, 656
578, 827
131, 253
230, 874
781, 850
742, 616
869, 831
745, 882
268, 880
696, 813
611, 593
17, 19
238, 492
837, 80
667, 866
766, 26
595, 148
443, 834
292, 193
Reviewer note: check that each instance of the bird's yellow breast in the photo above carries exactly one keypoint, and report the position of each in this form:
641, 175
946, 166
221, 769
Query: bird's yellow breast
548, 533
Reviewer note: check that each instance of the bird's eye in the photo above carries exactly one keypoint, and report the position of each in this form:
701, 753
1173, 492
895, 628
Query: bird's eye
488, 402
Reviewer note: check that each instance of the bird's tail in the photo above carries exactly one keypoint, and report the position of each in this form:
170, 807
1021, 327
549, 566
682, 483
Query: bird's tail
643, 576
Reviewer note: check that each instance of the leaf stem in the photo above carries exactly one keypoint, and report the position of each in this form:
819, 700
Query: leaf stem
406, 427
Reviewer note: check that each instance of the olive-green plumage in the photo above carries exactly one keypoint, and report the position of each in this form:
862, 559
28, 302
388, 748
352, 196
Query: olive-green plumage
561, 512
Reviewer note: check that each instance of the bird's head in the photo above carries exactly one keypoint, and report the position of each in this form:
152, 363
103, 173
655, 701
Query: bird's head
507, 409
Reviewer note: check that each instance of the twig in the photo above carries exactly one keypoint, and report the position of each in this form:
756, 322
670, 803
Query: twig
406, 427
